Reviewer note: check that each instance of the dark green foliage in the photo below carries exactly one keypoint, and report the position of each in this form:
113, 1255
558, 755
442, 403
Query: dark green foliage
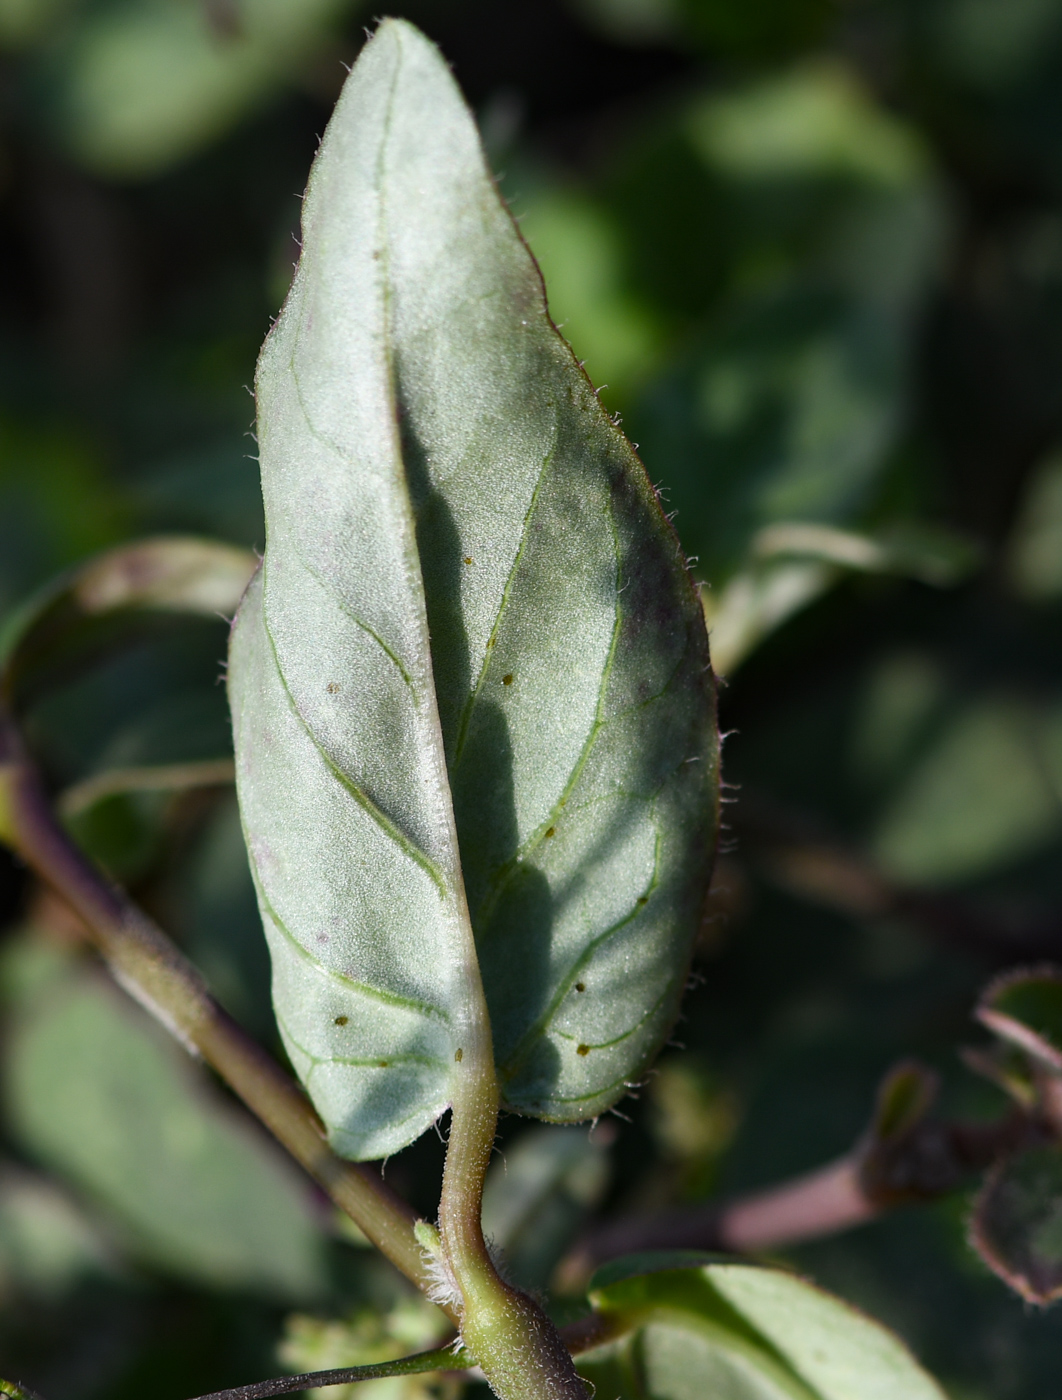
1017, 1223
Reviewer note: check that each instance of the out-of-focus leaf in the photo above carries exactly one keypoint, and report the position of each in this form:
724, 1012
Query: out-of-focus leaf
210, 490
1025, 1008
933, 556
537, 1196
816, 121
46, 1243
56, 505
784, 411
992, 44
906, 693
166, 777
122, 832
564, 708
25, 21
578, 248
412, 1325
101, 1095
801, 560
633, 21
215, 915
904, 1098
1005, 1066
138, 86
118, 815
979, 799
1034, 555
785, 414
768, 29
755, 602
726, 28
1016, 1225
115, 593
740, 1332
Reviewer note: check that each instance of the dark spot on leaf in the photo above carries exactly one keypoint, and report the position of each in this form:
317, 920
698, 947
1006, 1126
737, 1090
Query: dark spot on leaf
643, 899
381, 1064
459, 1054
341, 1020
332, 687
551, 831
507, 680
580, 986
582, 1049
468, 559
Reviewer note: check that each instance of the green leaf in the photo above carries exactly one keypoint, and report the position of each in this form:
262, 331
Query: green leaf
434, 463
99, 1093
979, 797
104, 600
47, 1244
137, 86
1025, 1008
698, 1326
1016, 1225
1034, 550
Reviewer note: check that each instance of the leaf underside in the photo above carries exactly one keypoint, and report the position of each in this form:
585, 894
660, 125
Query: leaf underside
472, 661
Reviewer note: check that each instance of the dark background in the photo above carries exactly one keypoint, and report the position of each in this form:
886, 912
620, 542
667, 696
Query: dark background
814, 249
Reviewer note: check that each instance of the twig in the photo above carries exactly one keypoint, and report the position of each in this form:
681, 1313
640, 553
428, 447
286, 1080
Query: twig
158, 975
929, 1161
442, 1359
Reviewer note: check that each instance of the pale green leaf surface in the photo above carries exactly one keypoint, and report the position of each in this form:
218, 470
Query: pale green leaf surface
741, 1332
435, 464
97, 1092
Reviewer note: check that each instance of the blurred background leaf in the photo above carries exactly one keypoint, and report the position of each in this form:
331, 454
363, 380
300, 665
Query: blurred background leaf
99, 1093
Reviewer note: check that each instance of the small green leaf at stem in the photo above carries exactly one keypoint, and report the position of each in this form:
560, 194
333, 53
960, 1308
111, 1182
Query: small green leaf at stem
685, 1326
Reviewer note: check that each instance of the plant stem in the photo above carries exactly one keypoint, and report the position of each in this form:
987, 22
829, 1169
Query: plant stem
515, 1344
158, 975
441, 1359
518, 1348
931, 1160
